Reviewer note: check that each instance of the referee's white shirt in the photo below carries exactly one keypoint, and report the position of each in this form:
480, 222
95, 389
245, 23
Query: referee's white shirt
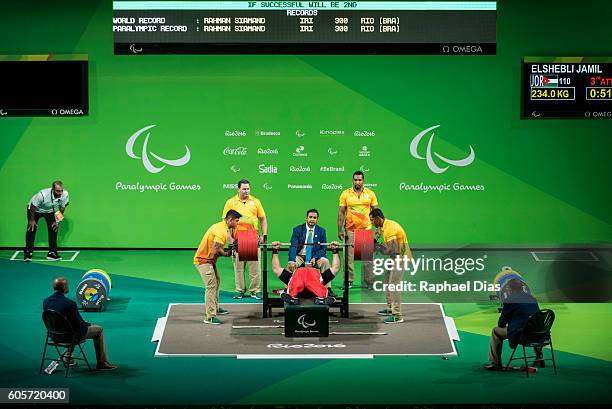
45, 202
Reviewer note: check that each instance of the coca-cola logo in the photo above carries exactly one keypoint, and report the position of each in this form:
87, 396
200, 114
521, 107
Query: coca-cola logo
237, 151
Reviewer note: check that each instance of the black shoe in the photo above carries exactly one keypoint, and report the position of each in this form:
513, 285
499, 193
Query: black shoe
539, 362
330, 292
27, 256
289, 299
325, 301
490, 366
67, 359
106, 367
53, 256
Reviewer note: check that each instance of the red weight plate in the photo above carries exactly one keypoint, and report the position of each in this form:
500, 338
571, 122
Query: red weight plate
364, 244
248, 244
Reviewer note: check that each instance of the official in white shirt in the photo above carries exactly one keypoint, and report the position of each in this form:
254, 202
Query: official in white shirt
50, 204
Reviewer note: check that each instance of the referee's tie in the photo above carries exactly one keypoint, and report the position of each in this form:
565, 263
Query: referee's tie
309, 248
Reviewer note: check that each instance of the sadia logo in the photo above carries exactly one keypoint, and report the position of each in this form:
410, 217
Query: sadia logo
428, 155
129, 149
302, 321
267, 168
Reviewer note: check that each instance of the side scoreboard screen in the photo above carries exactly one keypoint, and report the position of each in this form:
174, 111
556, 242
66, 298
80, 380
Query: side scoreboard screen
567, 87
44, 85
305, 27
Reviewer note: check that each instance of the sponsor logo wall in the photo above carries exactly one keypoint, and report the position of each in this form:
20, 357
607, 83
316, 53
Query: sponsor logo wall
318, 156
316, 162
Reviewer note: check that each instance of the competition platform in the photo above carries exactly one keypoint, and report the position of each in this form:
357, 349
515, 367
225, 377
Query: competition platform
245, 334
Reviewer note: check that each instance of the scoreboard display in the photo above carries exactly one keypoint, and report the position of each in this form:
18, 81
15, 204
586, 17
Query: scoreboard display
305, 27
567, 87
44, 85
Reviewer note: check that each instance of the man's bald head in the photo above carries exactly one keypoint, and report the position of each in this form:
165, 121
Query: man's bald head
60, 284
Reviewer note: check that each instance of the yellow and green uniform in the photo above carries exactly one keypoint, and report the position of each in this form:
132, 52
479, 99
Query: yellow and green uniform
250, 209
205, 262
358, 208
391, 230
217, 233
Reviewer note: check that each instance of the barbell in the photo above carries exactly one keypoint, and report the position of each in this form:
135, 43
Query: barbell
248, 245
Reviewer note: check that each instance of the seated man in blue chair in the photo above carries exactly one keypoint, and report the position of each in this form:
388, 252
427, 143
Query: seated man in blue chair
518, 306
68, 308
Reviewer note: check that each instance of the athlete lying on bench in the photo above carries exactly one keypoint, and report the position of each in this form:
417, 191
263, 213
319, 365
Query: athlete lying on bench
306, 278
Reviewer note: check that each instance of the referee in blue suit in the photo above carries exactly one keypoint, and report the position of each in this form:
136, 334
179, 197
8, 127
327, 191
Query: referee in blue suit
309, 232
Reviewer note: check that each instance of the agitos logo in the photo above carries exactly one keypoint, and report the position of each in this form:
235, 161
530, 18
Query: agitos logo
428, 154
129, 149
302, 321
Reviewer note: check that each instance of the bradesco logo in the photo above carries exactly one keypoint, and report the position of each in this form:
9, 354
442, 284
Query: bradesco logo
263, 168
129, 149
305, 346
428, 155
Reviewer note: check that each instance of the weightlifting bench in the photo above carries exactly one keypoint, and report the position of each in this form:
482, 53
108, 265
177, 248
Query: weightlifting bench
306, 320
